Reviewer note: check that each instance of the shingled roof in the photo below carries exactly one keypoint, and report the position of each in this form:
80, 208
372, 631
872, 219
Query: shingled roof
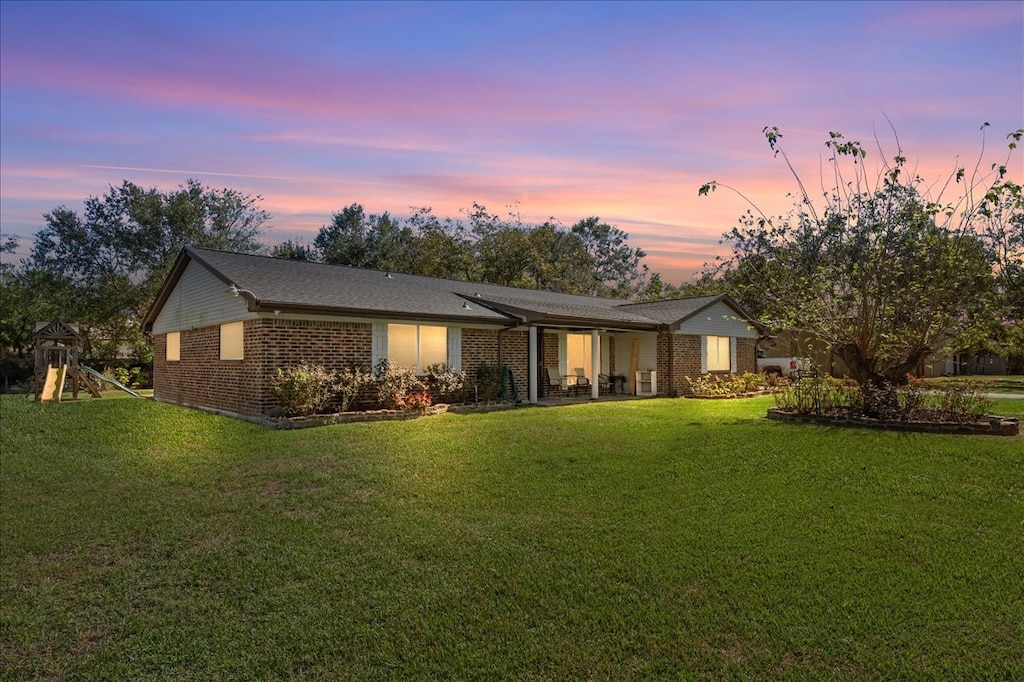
300, 286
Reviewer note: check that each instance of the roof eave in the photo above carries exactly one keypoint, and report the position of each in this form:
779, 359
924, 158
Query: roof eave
261, 306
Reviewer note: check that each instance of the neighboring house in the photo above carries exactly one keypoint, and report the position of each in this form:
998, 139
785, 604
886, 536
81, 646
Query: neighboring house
223, 323
788, 350
965, 363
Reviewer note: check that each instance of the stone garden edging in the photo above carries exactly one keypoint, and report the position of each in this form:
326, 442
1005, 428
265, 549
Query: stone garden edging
284, 423
989, 425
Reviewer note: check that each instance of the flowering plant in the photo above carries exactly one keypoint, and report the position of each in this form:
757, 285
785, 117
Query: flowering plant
415, 401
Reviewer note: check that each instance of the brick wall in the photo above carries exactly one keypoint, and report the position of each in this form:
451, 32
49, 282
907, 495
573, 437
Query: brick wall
202, 379
746, 355
497, 347
515, 352
684, 350
665, 367
549, 358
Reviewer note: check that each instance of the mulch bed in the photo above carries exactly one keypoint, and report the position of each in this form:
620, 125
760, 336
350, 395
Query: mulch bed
990, 425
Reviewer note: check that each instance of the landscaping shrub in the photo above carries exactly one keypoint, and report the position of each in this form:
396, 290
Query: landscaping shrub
350, 382
915, 402
446, 382
711, 385
819, 395
959, 401
488, 382
131, 377
303, 389
395, 384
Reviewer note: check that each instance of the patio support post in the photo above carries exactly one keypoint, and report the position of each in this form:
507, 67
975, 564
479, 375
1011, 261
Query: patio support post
534, 369
595, 364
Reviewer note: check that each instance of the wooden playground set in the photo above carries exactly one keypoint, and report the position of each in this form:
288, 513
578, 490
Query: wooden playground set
57, 346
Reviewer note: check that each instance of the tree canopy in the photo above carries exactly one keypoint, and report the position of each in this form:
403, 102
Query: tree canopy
880, 274
103, 268
591, 258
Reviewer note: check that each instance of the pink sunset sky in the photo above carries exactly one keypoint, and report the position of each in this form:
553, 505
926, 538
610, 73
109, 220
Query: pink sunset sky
550, 109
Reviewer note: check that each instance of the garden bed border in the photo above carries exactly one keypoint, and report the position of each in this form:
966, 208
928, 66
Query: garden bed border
988, 425
284, 423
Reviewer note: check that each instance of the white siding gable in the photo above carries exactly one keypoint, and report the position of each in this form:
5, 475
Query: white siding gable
718, 320
199, 299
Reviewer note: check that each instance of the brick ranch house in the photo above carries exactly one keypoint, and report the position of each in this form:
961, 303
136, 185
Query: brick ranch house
223, 323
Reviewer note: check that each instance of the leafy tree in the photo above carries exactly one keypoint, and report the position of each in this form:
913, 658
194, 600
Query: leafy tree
441, 249
343, 242
618, 270
389, 245
558, 261
290, 250
592, 258
20, 308
504, 256
880, 275
1002, 218
705, 285
103, 269
656, 290
365, 241
532, 257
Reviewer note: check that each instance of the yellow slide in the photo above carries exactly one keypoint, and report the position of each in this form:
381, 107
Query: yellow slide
53, 386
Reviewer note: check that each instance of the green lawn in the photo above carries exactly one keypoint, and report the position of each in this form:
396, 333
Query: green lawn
656, 539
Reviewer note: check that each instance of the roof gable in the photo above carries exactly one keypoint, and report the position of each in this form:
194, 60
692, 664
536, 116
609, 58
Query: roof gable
57, 330
676, 311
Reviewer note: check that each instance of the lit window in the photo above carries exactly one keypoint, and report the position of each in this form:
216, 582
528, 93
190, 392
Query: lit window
417, 346
718, 353
577, 354
173, 346
231, 341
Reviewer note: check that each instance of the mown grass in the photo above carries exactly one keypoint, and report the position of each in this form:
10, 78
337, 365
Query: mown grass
650, 539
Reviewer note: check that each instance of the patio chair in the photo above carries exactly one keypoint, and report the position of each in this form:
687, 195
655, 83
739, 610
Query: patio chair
555, 384
605, 385
582, 383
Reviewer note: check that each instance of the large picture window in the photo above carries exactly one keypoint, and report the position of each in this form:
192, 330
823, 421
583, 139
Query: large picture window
417, 346
232, 341
173, 346
718, 353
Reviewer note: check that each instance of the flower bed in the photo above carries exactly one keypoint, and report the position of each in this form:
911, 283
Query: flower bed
991, 425
723, 386
841, 402
730, 396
